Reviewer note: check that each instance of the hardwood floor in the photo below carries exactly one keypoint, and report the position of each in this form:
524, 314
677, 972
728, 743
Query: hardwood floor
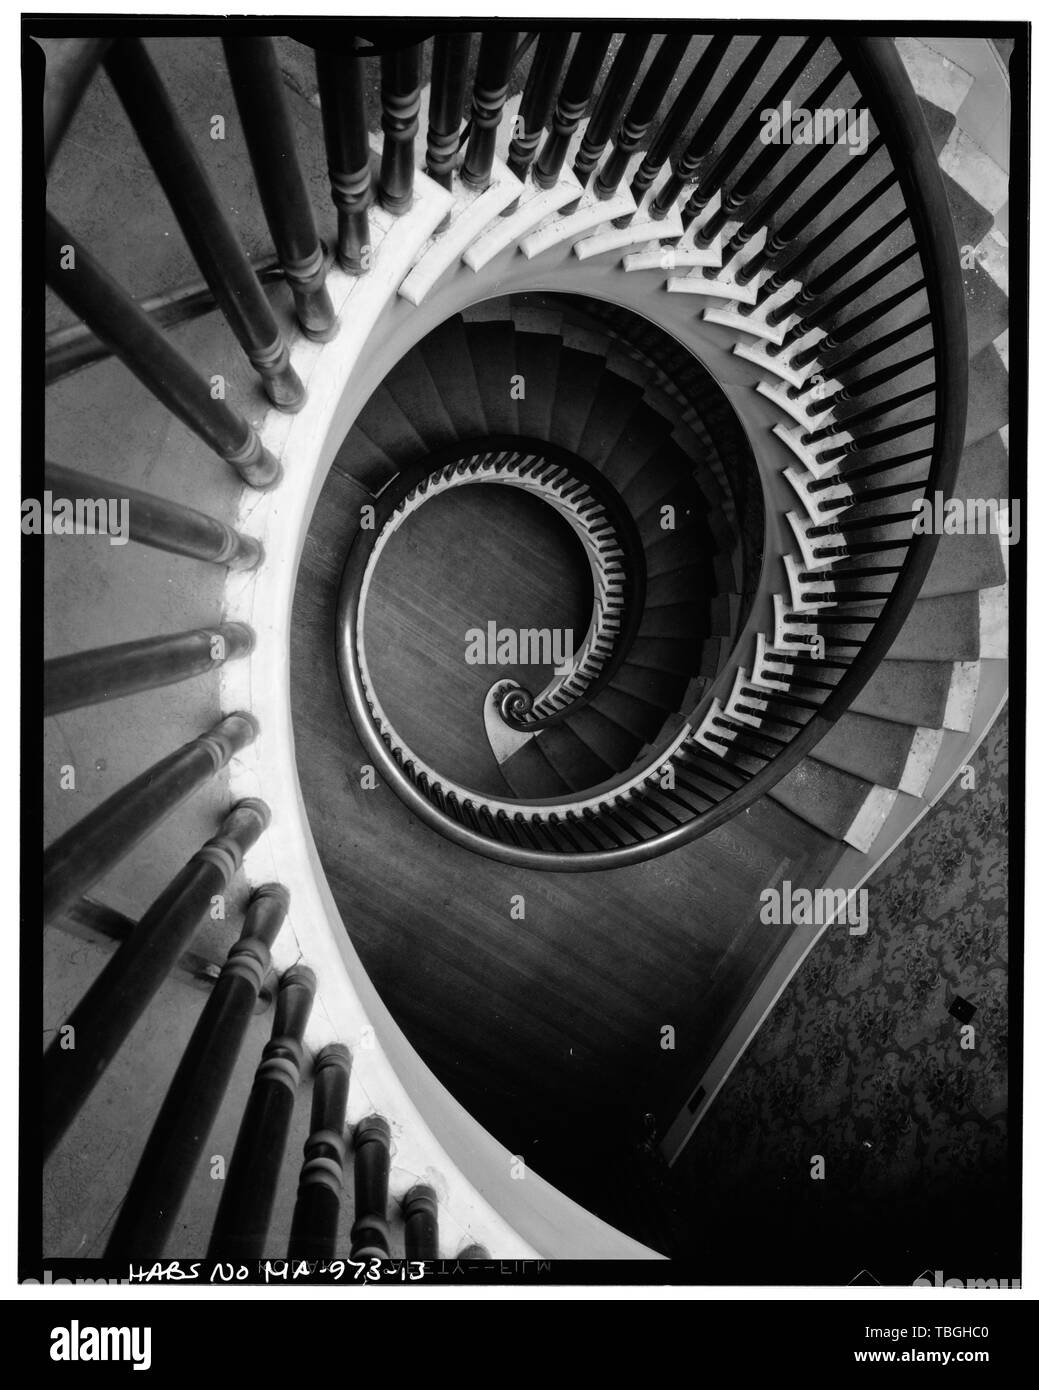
469, 557
546, 1026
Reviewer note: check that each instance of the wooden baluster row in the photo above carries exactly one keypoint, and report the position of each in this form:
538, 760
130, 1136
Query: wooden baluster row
609, 104
814, 313
677, 118
574, 96
244, 1214
161, 524
749, 132
760, 167
112, 316
712, 125
195, 1094
104, 1017
252, 63
109, 673
839, 369
206, 226
835, 229
538, 94
824, 198
642, 113
95, 844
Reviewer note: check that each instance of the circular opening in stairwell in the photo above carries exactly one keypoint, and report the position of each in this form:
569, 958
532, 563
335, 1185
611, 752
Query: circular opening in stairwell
615, 411
453, 602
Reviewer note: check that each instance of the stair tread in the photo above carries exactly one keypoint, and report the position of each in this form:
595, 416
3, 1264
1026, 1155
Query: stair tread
445, 352
615, 744
655, 685
964, 563
691, 584
492, 350
530, 774
944, 628
616, 400
643, 435
537, 362
578, 764
364, 462
678, 655
637, 715
679, 622
918, 692
889, 753
412, 387
388, 427
576, 383
827, 797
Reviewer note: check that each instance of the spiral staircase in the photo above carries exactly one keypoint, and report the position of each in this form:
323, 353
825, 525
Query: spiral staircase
596, 359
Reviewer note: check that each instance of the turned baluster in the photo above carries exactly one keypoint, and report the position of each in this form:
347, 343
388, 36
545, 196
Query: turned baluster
606, 113
109, 673
835, 229
748, 133
446, 103
197, 1091
823, 199
677, 118
315, 1220
259, 92
642, 113
574, 96
345, 122
400, 103
370, 1236
104, 1017
493, 69
94, 845
243, 1217
161, 524
711, 126
420, 1223
536, 102
761, 165
206, 226
112, 316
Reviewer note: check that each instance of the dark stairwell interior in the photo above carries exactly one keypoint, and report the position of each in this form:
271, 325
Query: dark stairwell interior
540, 1000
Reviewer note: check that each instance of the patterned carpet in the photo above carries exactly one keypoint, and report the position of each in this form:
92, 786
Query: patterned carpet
863, 1064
